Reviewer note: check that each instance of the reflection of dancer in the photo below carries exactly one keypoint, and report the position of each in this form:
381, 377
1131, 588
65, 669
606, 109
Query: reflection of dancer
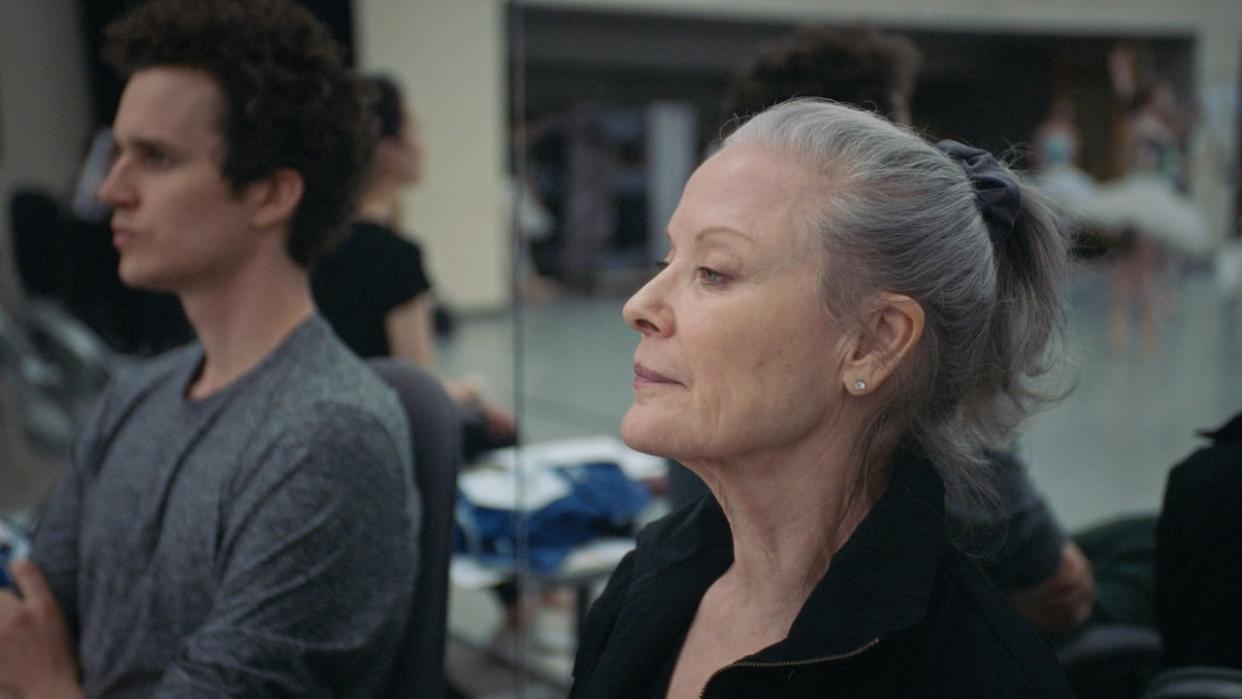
590, 212
533, 223
1148, 201
1056, 152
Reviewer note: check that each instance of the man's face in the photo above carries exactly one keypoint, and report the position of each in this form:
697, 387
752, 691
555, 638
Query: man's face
177, 223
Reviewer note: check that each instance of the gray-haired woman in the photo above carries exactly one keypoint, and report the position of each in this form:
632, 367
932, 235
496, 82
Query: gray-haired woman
848, 316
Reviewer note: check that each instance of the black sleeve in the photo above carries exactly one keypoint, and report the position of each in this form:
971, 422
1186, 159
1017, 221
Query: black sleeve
396, 275
1198, 560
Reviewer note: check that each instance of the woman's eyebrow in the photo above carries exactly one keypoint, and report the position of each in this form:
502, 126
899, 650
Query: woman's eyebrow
712, 232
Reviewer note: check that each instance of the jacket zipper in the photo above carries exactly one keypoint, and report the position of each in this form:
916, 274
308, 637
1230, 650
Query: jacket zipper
792, 663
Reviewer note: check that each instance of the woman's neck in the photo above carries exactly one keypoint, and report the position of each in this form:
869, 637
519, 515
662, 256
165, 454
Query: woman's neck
789, 514
381, 202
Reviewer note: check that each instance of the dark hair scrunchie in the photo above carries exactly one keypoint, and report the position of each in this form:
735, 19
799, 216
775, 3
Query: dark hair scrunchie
997, 193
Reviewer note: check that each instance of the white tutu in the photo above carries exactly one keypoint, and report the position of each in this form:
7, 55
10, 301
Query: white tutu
1069, 189
1148, 205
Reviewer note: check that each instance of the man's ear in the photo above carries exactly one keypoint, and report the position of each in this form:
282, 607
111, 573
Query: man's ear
273, 199
893, 324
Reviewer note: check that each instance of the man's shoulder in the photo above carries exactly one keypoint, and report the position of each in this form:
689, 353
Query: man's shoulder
324, 381
148, 370
132, 380
319, 412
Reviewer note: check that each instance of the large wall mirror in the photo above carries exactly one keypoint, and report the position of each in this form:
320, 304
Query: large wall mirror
550, 141
613, 104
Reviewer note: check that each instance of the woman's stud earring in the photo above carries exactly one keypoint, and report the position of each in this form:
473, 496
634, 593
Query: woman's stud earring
860, 385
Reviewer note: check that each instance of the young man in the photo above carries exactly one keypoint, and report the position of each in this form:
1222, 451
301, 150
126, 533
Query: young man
238, 518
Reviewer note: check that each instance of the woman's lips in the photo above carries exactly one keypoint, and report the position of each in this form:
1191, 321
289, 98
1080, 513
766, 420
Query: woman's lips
646, 377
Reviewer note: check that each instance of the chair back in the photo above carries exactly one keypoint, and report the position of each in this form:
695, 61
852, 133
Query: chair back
1196, 682
435, 431
1110, 661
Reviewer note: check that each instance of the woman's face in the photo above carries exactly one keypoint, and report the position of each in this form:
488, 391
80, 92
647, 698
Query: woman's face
412, 148
401, 155
737, 355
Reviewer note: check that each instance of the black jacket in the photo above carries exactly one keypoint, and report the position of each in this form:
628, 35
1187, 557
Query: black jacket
900, 613
1198, 559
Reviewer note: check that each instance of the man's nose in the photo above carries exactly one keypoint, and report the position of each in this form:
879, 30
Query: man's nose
116, 190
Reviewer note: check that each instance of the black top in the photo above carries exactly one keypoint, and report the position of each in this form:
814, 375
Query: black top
1198, 559
371, 272
899, 613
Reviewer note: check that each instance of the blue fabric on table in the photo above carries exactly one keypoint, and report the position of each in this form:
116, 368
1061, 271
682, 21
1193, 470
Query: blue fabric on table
602, 501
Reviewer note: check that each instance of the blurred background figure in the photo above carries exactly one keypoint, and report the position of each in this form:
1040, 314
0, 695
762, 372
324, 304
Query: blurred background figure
857, 65
1148, 204
532, 223
590, 211
374, 289
1056, 147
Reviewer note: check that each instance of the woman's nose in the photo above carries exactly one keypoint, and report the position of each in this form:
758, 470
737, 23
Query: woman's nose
647, 311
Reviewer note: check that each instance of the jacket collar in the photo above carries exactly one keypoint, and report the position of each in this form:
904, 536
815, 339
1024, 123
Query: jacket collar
877, 585
1229, 432
881, 581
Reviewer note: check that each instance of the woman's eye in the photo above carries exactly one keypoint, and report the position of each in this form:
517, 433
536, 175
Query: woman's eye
711, 276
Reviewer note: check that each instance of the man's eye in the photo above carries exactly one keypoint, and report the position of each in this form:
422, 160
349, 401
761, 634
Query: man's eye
156, 157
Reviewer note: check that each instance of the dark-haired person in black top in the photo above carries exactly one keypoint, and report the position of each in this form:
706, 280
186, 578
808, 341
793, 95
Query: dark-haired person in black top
373, 288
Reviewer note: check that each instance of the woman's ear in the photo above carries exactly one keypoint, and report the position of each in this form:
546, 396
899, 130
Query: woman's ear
274, 199
893, 324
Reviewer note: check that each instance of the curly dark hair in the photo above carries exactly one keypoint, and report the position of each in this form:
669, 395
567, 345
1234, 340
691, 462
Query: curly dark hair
290, 100
856, 65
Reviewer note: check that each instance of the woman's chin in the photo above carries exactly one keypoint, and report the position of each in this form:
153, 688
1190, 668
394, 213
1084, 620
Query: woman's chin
641, 433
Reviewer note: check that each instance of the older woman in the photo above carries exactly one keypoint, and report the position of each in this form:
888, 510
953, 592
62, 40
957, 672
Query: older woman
848, 316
